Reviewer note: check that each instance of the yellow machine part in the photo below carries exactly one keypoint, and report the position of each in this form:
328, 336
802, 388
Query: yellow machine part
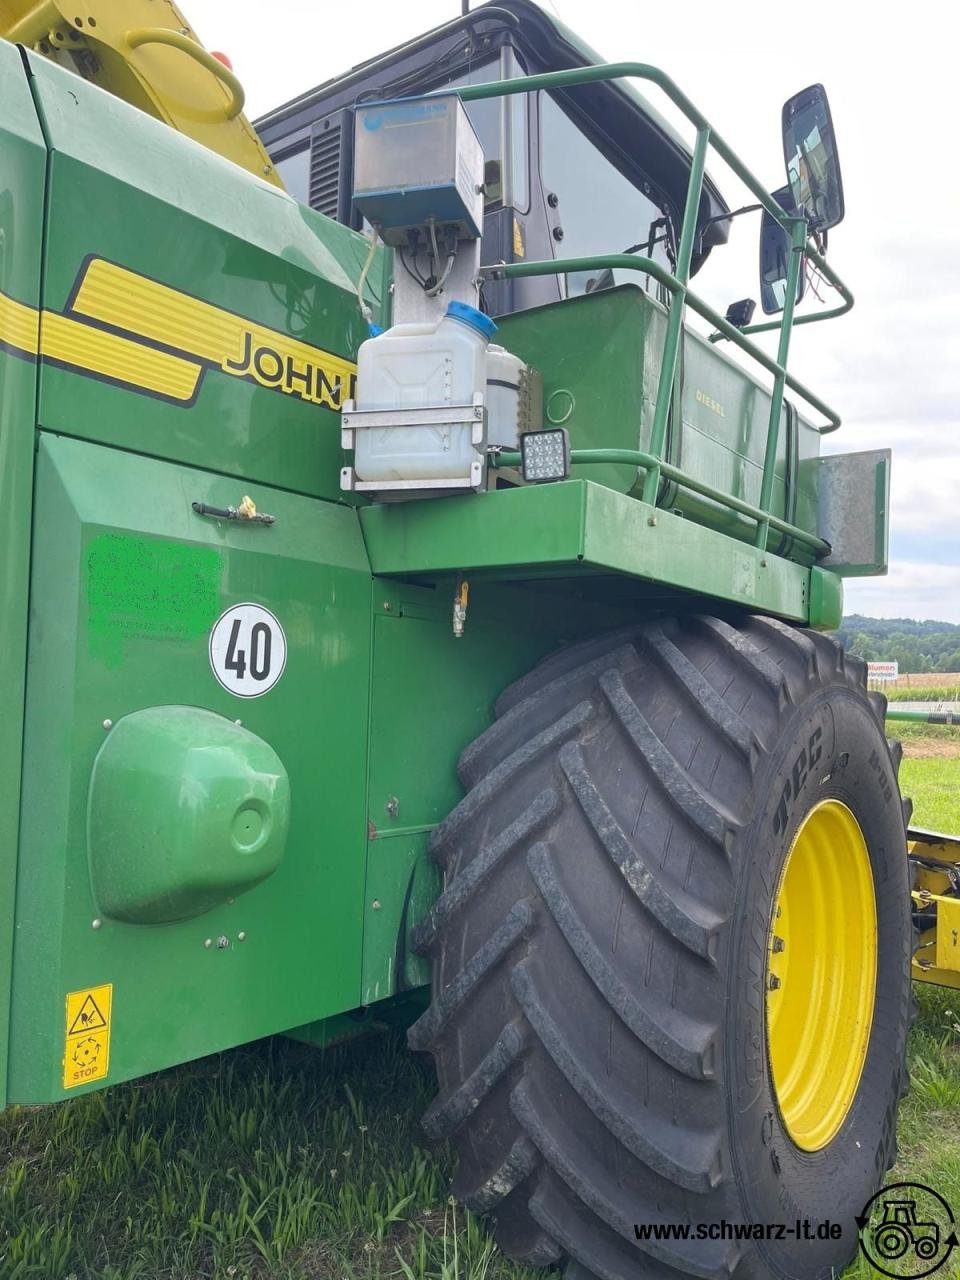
937, 958
145, 52
821, 980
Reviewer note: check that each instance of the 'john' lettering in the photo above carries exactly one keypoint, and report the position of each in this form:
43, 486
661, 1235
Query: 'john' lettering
292, 374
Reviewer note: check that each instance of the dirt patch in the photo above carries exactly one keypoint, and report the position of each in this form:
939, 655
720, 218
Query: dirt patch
931, 749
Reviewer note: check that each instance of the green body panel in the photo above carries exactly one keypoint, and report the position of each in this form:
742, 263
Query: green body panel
826, 599
21, 222
431, 694
300, 960
186, 809
130, 190
600, 358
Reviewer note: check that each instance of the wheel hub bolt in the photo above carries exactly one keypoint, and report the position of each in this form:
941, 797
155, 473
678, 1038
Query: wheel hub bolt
774, 982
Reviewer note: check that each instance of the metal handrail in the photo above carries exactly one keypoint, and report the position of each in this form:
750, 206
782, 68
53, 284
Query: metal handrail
647, 266
828, 273
678, 282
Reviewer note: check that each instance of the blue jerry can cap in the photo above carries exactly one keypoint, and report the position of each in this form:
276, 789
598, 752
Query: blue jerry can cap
463, 312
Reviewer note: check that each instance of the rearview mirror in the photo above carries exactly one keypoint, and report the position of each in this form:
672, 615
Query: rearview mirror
775, 257
810, 152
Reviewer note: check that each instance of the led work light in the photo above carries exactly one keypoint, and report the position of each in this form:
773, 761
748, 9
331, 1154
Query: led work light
545, 455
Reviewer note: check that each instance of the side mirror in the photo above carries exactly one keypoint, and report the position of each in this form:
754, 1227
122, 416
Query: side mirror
775, 257
810, 152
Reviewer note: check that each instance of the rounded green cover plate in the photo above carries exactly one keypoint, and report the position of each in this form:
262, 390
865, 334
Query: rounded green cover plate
186, 809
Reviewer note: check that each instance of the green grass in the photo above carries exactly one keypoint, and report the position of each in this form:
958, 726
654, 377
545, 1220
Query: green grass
281, 1162
922, 693
272, 1161
934, 787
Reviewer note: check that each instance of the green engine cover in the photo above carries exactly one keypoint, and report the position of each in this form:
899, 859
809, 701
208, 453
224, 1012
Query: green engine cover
187, 809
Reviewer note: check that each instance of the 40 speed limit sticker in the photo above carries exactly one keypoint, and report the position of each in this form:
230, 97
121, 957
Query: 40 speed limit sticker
248, 650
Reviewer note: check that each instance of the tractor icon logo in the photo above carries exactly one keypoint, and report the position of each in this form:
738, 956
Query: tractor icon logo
86, 1052
900, 1230
907, 1230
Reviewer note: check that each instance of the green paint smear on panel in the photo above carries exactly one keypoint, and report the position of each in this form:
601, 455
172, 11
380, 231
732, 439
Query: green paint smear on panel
148, 589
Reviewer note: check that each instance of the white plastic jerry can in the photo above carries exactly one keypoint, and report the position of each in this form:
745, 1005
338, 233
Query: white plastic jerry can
422, 366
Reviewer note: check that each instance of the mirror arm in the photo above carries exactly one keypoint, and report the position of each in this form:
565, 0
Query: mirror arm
831, 278
723, 217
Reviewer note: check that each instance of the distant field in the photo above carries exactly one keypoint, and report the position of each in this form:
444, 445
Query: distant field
275, 1162
950, 679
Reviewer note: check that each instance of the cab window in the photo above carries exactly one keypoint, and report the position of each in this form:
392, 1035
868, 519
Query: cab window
501, 125
294, 171
598, 207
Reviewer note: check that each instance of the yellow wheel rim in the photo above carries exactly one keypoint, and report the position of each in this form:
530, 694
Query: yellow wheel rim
822, 974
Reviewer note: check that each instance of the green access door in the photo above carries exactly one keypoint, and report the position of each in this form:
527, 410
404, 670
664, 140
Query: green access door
193, 836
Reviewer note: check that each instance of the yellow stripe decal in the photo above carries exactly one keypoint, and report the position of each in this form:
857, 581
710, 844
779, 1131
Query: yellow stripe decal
19, 325
120, 359
130, 329
220, 338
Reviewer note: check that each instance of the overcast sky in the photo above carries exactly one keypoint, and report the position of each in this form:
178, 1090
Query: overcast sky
891, 366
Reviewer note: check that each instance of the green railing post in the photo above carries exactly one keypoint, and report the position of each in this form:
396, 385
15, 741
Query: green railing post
798, 239
674, 334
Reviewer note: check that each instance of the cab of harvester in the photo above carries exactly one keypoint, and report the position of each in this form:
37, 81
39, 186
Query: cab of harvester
582, 172
399, 594
590, 170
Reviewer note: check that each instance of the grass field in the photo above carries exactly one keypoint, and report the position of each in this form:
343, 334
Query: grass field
283, 1162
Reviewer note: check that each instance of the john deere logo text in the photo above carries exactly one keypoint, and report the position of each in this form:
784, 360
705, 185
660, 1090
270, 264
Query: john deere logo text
124, 328
297, 376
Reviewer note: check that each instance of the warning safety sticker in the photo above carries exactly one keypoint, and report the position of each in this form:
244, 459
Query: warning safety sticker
87, 1042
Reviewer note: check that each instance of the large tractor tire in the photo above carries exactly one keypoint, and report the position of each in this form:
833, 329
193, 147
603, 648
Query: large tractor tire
671, 956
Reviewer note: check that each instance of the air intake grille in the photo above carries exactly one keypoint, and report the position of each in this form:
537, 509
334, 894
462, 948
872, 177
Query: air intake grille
326, 167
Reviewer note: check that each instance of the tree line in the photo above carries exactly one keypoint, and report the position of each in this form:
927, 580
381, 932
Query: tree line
916, 645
